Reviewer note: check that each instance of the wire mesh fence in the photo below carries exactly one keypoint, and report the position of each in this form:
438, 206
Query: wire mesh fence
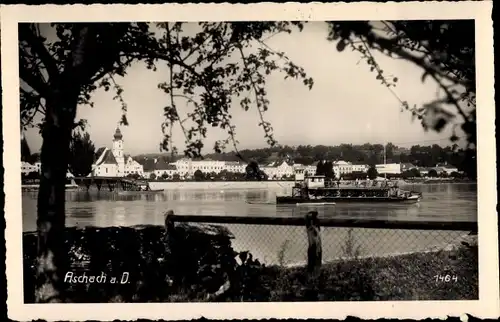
359, 259
283, 241
287, 245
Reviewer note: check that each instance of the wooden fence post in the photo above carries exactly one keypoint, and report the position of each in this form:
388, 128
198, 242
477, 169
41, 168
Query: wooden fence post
314, 250
172, 250
169, 222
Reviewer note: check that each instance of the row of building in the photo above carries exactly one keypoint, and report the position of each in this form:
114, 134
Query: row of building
114, 163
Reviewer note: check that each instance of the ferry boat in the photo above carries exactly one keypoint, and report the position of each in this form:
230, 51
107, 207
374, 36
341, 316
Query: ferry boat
314, 190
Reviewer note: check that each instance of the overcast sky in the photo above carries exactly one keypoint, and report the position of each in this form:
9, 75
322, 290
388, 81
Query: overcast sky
346, 105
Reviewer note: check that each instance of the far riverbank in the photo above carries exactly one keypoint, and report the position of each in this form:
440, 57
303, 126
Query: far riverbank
261, 184
220, 184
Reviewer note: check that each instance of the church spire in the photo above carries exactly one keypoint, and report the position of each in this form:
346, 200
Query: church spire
118, 134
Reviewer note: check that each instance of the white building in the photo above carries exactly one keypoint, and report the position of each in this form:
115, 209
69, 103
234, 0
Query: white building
278, 170
235, 166
388, 168
187, 167
38, 166
111, 162
446, 168
208, 166
342, 167
424, 172
310, 170
28, 167
133, 167
303, 171
359, 167
183, 166
163, 168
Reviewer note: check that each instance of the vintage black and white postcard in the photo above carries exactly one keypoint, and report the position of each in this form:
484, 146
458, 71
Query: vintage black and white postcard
250, 161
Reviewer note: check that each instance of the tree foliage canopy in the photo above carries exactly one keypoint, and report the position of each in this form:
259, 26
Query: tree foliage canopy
208, 68
372, 173
82, 155
325, 168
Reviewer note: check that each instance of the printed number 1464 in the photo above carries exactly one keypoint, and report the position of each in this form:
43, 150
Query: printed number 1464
445, 278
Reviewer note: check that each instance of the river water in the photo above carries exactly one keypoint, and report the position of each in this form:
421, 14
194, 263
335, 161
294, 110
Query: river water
272, 244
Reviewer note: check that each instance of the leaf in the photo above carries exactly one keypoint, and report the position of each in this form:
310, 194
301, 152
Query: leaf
341, 45
440, 124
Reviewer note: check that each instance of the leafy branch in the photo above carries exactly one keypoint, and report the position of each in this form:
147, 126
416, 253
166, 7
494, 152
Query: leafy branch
209, 78
428, 45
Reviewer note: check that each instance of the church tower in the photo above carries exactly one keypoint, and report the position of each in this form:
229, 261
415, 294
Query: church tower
118, 152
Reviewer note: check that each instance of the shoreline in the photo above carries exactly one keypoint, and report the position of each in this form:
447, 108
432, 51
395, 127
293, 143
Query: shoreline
262, 184
269, 184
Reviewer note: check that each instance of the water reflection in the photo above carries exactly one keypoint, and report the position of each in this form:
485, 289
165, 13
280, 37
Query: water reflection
83, 216
441, 202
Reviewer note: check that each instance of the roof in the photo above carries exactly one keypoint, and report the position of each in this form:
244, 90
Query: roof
163, 165
148, 164
130, 159
280, 162
107, 158
100, 151
234, 163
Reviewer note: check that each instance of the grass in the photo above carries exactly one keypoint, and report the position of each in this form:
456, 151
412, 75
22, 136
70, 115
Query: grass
404, 277
417, 276
350, 249
206, 261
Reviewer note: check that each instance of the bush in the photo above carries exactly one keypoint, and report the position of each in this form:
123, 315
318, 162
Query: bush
195, 265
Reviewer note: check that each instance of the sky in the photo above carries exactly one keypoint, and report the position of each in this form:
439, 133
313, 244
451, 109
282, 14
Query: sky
346, 104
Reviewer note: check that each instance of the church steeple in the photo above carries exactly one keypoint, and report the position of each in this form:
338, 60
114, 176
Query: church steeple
118, 151
118, 134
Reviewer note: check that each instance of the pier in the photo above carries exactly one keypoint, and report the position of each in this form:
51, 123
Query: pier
111, 183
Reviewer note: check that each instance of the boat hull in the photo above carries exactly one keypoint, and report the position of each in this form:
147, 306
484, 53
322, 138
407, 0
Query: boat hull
298, 200
133, 193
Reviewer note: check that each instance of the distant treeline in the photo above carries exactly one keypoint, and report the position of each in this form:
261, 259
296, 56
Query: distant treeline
370, 154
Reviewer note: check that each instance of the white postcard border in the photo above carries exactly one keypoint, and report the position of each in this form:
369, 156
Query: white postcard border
487, 306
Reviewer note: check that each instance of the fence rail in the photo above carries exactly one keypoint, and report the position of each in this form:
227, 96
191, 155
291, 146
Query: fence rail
330, 222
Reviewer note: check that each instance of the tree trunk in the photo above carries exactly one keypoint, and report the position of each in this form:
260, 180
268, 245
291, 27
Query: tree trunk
52, 250
61, 104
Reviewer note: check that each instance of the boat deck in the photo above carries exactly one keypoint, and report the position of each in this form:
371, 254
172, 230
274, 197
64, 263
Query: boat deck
376, 188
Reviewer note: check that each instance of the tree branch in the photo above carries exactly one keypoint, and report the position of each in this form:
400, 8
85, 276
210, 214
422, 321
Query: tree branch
172, 102
254, 86
389, 45
36, 44
29, 77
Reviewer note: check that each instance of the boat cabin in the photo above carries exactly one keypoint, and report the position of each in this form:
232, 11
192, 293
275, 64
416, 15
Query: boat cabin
315, 182
299, 174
